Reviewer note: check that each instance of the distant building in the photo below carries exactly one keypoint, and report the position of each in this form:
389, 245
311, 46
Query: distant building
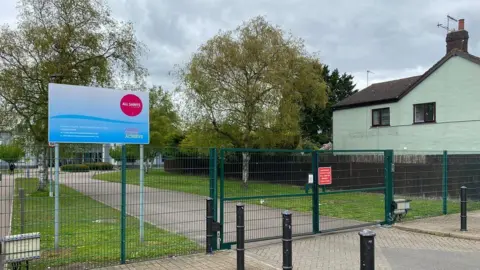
87, 154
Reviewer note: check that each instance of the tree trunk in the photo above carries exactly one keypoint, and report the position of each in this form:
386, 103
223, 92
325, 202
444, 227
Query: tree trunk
245, 168
43, 171
145, 165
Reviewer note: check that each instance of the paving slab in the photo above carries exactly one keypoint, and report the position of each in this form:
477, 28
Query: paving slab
221, 260
448, 225
394, 250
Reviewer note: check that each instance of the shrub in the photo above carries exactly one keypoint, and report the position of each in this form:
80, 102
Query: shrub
75, 168
100, 166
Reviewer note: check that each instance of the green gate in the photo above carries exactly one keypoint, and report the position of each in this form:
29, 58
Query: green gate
269, 182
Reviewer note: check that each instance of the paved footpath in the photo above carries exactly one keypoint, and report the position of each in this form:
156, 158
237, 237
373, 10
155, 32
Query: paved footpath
448, 225
174, 211
221, 260
394, 249
184, 213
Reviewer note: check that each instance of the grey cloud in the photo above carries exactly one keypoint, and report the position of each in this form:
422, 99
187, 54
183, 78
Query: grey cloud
392, 38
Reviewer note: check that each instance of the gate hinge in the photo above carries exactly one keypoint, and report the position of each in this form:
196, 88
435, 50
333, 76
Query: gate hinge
393, 167
216, 226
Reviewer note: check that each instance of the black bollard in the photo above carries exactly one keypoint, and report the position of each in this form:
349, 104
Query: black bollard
240, 236
367, 249
463, 209
287, 240
209, 225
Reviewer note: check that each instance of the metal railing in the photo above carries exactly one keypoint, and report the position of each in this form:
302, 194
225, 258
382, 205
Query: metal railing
159, 208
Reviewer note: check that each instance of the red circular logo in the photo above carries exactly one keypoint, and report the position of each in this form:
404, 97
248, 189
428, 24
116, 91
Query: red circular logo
131, 105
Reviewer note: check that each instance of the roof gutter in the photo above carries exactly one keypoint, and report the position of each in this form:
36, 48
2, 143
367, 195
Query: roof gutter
365, 104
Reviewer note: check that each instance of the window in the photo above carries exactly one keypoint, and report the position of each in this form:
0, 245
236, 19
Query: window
424, 113
381, 117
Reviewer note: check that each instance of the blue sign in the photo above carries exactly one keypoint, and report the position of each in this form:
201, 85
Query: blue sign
80, 114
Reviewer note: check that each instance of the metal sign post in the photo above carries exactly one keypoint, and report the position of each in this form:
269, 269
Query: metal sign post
57, 195
50, 168
142, 179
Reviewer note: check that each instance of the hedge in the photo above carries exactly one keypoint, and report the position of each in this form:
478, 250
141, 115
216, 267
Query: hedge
75, 168
100, 166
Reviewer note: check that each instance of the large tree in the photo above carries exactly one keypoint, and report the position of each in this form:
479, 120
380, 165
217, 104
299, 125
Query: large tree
316, 121
164, 125
248, 85
65, 41
164, 120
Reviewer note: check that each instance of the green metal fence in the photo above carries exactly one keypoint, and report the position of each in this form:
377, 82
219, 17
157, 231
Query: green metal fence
432, 181
271, 181
164, 214
102, 221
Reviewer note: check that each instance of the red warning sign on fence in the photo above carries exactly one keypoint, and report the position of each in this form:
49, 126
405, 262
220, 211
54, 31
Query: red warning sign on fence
325, 176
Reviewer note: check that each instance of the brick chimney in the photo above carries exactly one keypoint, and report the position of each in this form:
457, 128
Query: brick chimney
458, 39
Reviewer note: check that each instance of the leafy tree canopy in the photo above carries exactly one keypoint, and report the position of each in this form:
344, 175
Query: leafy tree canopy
248, 86
11, 153
164, 120
78, 42
74, 42
316, 121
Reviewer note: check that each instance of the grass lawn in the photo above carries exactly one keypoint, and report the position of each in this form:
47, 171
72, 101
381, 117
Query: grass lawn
89, 231
367, 207
16, 172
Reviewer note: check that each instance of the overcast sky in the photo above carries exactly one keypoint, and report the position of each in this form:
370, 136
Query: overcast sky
394, 39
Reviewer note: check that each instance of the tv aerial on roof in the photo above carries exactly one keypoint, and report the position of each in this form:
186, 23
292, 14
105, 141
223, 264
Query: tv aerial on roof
368, 72
447, 27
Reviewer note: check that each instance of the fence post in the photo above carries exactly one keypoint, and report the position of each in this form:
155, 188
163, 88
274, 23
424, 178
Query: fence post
388, 164
123, 218
213, 180
240, 236
315, 196
463, 209
214, 194
21, 194
211, 172
367, 249
222, 193
287, 240
209, 226
445, 181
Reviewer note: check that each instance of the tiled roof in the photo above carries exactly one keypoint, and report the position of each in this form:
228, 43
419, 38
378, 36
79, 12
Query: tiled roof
392, 91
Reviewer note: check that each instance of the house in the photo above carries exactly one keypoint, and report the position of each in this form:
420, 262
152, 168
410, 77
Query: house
437, 110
